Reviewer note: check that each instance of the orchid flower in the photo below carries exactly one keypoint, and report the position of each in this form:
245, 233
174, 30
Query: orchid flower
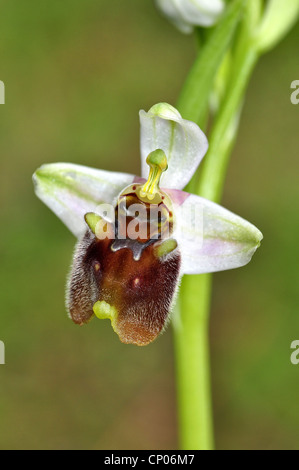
186, 14
127, 268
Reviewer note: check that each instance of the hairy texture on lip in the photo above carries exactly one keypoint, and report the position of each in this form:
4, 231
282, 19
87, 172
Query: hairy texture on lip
82, 289
140, 292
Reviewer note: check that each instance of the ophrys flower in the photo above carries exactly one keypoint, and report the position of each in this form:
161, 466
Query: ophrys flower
127, 263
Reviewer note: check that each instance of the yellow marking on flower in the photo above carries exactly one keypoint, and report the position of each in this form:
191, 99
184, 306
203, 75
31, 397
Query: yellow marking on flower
103, 310
157, 162
136, 282
165, 248
97, 267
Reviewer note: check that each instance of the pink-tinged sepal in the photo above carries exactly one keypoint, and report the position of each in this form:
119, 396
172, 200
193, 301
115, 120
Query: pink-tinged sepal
210, 237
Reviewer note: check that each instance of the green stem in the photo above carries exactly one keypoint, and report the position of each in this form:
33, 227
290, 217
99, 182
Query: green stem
225, 130
191, 325
192, 319
193, 102
193, 365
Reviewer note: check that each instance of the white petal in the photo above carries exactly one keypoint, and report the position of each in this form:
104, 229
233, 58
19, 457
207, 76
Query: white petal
210, 237
200, 12
170, 10
71, 190
182, 141
185, 14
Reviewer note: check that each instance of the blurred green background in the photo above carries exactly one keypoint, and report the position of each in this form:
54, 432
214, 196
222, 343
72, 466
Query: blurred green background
76, 74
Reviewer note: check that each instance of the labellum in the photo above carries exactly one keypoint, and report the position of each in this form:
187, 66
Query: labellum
127, 269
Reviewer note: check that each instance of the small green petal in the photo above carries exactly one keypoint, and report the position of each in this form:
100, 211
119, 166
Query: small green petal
165, 248
103, 310
92, 219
